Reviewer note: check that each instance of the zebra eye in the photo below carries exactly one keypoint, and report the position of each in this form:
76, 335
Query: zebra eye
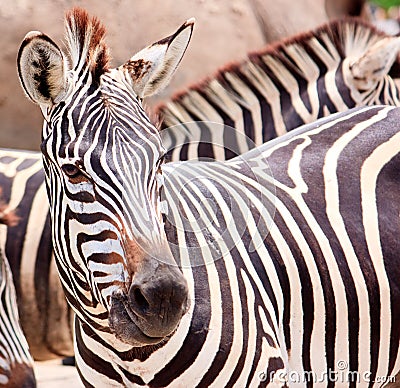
73, 172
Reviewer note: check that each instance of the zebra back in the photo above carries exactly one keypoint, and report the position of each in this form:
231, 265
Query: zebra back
341, 65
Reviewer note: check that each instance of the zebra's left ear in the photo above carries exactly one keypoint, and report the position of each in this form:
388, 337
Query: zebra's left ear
151, 69
374, 64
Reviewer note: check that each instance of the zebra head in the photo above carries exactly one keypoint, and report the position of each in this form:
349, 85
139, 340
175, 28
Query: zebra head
102, 157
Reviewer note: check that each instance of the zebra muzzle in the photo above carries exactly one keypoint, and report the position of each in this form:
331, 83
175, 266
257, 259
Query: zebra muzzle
152, 308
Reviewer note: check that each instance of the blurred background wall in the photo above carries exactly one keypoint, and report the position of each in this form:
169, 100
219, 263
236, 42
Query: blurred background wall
225, 31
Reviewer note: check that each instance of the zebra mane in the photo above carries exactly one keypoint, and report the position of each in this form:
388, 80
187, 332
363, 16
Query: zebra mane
86, 45
348, 37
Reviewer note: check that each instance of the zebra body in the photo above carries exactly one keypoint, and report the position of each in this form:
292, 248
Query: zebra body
243, 106
341, 65
287, 256
303, 281
44, 314
16, 364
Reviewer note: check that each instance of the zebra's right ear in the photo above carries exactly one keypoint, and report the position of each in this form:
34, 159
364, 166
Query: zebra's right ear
42, 69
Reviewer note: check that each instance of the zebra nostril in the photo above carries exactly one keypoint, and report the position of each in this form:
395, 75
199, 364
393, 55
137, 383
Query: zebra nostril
139, 300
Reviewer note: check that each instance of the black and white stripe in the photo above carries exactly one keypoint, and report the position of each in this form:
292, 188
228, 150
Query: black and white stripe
44, 313
246, 103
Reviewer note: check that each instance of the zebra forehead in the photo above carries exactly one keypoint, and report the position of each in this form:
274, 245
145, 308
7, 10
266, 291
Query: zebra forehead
86, 42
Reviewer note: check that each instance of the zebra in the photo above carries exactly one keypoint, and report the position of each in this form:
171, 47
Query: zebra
341, 65
212, 101
52, 337
196, 274
231, 98
16, 363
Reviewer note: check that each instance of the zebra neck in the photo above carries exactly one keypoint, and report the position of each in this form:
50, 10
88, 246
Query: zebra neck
199, 197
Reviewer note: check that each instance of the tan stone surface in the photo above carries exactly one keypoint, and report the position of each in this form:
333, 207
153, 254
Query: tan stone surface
51, 374
296, 21
225, 30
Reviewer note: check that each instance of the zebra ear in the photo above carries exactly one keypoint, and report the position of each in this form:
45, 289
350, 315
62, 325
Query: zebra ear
151, 69
373, 65
41, 69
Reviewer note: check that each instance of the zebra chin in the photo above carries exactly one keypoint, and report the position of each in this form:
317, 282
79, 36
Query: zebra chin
152, 308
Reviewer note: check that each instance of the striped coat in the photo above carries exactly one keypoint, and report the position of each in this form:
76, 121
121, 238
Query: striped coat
44, 313
234, 98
